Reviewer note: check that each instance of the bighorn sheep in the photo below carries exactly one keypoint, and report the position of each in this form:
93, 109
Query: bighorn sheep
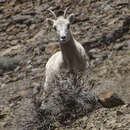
72, 55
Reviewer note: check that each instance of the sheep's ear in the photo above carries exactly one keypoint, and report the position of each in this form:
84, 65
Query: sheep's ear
71, 18
50, 21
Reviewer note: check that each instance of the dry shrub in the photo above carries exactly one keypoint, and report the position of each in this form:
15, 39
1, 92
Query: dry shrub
68, 99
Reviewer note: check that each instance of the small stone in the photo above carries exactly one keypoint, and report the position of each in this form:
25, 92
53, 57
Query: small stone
110, 99
108, 1
3, 86
129, 4
29, 62
17, 69
118, 113
119, 46
33, 26
14, 42
36, 88
29, 67
11, 37
107, 8
128, 44
28, 93
1, 72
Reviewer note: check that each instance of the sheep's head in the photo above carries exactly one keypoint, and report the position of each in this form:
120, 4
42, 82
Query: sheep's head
61, 25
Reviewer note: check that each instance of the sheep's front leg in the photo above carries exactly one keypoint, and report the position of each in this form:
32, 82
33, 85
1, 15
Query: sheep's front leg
46, 84
49, 80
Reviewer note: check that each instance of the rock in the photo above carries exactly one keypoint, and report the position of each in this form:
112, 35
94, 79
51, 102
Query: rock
14, 42
118, 113
101, 56
36, 88
113, 21
82, 18
3, 85
122, 3
29, 21
41, 9
1, 16
1, 71
28, 93
10, 50
2, 1
28, 12
120, 46
128, 43
37, 37
8, 63
108, 1
107, 8
2, 116
110, 99
21, 18
129, 4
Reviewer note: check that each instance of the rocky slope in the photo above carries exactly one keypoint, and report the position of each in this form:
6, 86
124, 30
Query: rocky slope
27, 41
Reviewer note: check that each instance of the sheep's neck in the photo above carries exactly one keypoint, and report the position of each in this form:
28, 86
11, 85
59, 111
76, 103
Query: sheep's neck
70, 53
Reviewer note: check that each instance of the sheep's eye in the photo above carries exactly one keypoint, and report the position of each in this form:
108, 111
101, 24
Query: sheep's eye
55, 27
68, 26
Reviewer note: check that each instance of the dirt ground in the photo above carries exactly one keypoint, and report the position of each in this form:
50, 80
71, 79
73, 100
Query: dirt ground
27, 41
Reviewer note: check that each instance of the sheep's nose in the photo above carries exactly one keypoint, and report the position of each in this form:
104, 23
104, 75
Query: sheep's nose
63, 38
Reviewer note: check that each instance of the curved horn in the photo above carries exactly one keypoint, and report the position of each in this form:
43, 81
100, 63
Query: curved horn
52, 13
65, 12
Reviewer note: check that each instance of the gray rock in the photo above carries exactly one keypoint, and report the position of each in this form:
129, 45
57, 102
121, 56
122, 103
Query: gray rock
8, 63
120, 46
110, 99
107, 8
21, 18
128, 43
2, 1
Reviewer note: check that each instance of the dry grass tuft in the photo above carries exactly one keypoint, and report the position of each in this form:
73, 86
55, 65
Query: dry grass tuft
67, 100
